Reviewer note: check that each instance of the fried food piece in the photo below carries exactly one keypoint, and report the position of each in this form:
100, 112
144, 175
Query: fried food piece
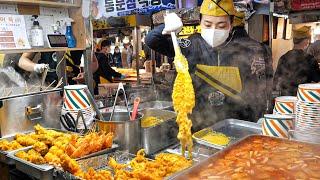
81, 150
45, 138
52, 159
93, 175
62, 142
4, 145
69, 164
54, 134
9, 146
41, 148
35, 157
173, 162
164, 165
116, 166
107, 141
25, 140
56, 151
39, 129
22, 155
92, 142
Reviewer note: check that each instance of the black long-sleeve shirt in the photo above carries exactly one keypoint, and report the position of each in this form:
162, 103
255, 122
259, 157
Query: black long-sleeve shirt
294, 68
104, 70
248, 56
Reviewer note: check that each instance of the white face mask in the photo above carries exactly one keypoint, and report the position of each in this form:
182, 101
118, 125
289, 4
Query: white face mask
215, 37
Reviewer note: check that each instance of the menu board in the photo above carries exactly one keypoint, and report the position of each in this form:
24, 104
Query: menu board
13, 32
127, 7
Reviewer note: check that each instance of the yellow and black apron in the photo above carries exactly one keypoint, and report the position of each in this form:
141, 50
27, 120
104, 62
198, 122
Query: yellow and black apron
225, 79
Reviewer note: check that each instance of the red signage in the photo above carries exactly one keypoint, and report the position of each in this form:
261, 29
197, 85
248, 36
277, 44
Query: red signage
299, 5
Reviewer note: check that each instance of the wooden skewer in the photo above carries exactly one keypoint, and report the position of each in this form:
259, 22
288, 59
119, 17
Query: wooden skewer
59, 84
50, 85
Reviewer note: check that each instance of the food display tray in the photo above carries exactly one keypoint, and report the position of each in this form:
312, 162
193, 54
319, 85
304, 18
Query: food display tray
233, 128
98, 163
43, 171
192, 170
3, 154
200, 152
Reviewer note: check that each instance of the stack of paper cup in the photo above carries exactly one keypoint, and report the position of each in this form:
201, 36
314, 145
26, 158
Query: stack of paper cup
75, 100
308, 108
285, 105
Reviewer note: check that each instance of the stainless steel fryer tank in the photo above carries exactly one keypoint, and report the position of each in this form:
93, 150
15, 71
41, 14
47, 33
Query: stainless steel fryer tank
21, 113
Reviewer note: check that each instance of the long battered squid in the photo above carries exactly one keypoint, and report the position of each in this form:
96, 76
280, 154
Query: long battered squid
183, 101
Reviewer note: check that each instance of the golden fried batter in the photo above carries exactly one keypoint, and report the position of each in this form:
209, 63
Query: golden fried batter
52, 159
25, 140
35, 157
9, 146
183, 98
164, 165
22, 155
92, 142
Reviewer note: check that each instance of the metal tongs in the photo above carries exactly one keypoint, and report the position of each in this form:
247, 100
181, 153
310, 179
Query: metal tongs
120, 87
93, 103
71, 124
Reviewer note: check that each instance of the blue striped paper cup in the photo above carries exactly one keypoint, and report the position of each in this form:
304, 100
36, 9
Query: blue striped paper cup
277, 125
309, 92
285, 105
75, 98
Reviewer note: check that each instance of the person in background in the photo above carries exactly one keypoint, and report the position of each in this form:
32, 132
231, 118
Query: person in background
225, 74
111, 60
263, 57
48, 60
296, 66
124, 55
129, 55
314, 48
104, 69
73, 61
75, 64
117, 57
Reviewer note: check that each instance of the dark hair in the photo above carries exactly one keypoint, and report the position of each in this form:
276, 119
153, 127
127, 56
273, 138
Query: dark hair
117, 47
105, 43
298, 41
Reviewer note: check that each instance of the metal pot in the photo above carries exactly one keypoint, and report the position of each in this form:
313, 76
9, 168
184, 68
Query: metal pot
160, 136
127, 133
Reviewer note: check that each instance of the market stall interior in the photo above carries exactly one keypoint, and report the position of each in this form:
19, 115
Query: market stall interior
195, 89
